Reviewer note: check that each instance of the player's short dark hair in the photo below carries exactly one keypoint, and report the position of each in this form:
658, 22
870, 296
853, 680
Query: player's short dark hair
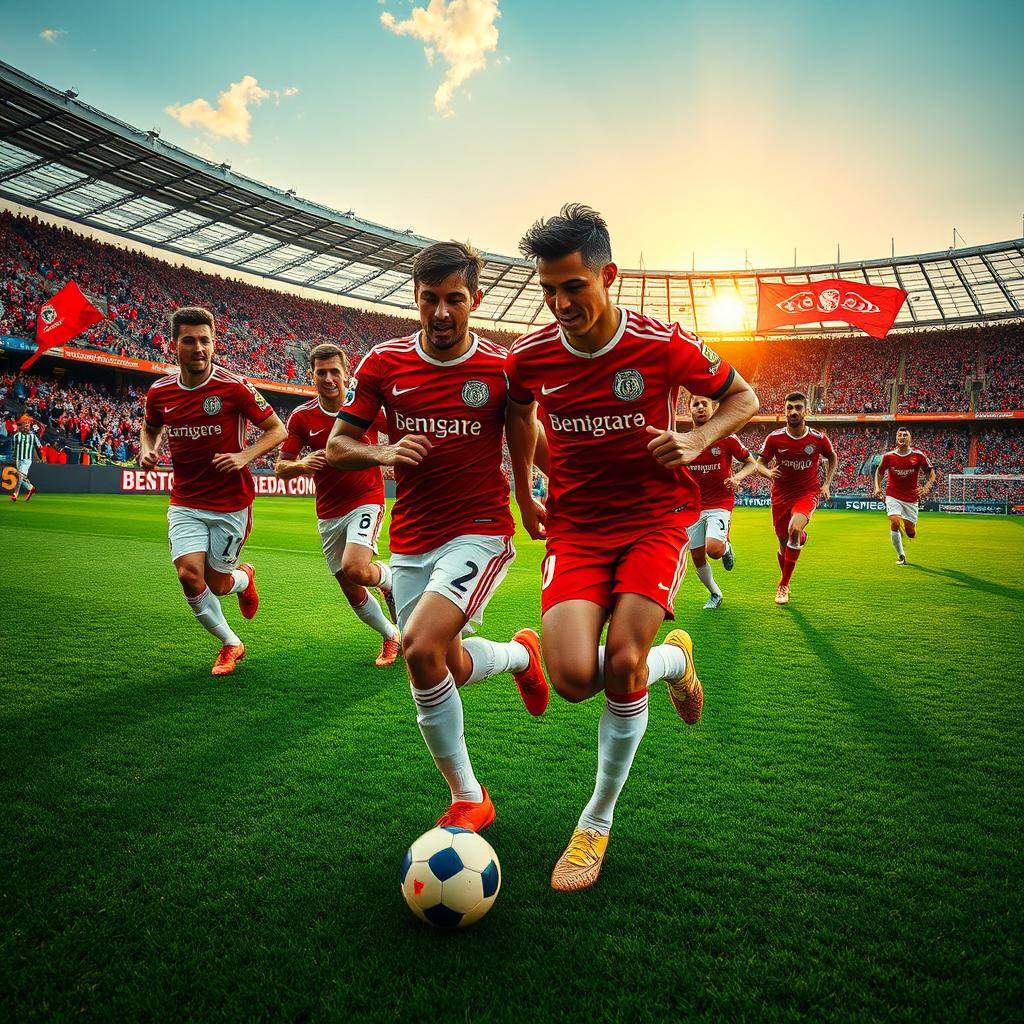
191, 316
796, 396
901, 427
442, 259
327, 351
576, 228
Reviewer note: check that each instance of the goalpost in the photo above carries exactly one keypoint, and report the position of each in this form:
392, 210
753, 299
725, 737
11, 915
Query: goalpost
1004, 489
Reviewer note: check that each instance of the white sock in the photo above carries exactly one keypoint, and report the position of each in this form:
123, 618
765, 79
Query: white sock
439, 716
666, 661
210, 614
623, 725
373, 615
491, 658
897, 541
707, 577
386, 582
239, 581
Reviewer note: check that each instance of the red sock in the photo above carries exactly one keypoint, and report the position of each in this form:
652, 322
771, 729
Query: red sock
782, 561
789, 564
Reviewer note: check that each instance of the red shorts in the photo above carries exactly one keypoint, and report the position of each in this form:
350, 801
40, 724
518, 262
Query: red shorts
578, 568
784, 510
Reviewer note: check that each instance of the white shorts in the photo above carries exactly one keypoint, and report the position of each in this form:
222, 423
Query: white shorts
712, 525
219, 534
904, 509
24, 466
360, 526
466, 570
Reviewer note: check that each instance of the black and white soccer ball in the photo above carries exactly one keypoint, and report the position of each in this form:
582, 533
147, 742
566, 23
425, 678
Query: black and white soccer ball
450, 877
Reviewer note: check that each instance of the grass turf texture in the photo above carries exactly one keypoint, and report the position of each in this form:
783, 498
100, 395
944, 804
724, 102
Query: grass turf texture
837, 838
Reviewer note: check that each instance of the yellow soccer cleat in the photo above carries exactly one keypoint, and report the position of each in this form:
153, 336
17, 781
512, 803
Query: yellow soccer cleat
686, 692
580, 865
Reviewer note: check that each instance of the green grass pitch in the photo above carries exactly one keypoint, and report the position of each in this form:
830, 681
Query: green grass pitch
839, 837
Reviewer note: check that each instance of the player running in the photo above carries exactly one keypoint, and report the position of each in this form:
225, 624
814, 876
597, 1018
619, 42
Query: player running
606, 381
443, 390
902, 491
712, 469
349, 506
24, 446
202, 410
790, 460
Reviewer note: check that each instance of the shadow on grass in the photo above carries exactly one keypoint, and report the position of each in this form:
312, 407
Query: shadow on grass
974, 582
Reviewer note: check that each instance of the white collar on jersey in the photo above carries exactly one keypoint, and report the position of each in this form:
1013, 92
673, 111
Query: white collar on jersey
196, 387
606, 347
446, 362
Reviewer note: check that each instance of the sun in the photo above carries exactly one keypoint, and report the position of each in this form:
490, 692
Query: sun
727, 313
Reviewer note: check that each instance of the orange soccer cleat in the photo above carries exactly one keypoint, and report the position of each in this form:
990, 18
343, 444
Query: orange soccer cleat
472, 816
686, 692
533, 687
389, 651
228, 657
31, 491
248, 599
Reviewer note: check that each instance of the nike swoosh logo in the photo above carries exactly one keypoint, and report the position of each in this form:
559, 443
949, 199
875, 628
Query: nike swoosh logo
170, 408
544, 390
396, 391
316, 433
661, 586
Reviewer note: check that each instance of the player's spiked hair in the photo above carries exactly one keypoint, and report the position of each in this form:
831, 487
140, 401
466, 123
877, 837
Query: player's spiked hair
796, 396
327, 351
442, 259
191, 316
576, 228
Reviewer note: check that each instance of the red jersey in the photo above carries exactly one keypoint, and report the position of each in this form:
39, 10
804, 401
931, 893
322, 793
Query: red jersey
798, 459
904, 471
713, 467
596, 408
460, 488
202, 422
337, 491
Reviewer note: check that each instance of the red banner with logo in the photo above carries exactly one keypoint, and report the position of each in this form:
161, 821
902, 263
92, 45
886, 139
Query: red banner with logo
64, 317
870, 307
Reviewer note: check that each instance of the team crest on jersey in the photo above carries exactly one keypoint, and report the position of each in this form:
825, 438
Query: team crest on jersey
711, 356
211, 406
475, 393
716, 450
350, 391
808, 449
47, 314
628, 385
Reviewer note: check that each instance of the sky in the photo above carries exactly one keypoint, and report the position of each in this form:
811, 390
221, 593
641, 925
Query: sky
709, 135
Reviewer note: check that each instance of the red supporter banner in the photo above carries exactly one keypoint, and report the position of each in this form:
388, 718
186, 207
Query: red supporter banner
888, 417
85, 355
64, 317
867, 306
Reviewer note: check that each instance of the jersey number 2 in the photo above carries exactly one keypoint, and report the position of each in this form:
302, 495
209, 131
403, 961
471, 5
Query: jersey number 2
459, 583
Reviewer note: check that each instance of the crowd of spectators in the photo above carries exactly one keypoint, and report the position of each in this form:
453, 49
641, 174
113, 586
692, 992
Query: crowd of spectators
1004, 369
787, 366
936, 371
860, 374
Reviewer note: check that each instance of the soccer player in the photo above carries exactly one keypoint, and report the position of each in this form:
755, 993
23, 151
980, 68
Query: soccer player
444, 392
606, 381
202, 410
712, 469
790, 460
349, 506
24, 445
902, 490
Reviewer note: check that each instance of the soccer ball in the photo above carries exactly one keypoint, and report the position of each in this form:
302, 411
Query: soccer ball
450, 877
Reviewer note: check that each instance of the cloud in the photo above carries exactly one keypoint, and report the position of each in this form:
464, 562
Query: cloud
231, 118
51, 35
460, 32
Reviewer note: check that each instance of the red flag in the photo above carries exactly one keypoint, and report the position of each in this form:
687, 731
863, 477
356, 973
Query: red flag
868, 306
64, 317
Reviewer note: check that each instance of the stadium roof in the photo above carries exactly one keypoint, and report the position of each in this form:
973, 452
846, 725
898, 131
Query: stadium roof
67, 159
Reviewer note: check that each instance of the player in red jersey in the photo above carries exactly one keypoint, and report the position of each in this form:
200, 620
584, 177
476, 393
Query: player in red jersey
202, 411
790, 459
902, 490
712, 469
349, 506
606, 381
443, 390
